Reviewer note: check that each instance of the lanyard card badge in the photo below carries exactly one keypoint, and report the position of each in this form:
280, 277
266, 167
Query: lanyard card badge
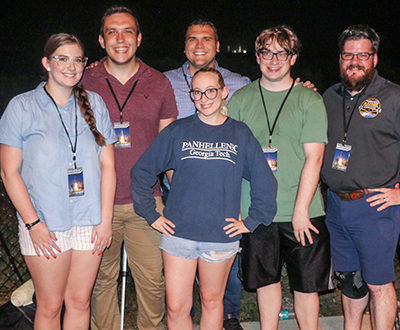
123, 134
121, 128
75, 175
343, 150
271, 155
270, 152
341, 157
75, 182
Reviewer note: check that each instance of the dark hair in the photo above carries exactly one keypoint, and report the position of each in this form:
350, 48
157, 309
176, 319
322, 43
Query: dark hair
356, 32
53, 43
116, 9
223, 108
284, 36
202, 22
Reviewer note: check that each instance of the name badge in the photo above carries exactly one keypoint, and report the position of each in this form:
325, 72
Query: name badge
75, 182
341, 157
271, 155
123, 134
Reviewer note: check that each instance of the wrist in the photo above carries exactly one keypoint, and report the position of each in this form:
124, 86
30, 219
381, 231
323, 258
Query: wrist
30, 225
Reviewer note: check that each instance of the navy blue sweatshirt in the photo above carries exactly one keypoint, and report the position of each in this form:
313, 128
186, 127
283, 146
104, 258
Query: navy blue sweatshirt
209, 163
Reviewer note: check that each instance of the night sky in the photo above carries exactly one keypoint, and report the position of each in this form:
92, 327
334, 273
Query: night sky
27, 24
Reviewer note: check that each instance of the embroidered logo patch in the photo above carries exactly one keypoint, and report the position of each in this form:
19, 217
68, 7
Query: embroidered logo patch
370, 108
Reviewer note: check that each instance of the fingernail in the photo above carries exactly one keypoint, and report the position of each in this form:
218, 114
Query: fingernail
92, 242
38, 255
93, 252
56, 239
59, 251
55, 257
48, 258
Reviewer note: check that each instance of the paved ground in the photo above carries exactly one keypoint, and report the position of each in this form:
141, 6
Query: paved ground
325, 323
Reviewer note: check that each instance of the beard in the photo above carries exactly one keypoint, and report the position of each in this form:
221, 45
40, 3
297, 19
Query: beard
356, 83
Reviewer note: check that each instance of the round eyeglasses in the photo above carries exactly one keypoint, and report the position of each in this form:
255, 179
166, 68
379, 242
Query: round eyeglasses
210, 93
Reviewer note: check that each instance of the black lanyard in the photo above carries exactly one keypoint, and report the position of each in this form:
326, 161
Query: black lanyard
271, 130
346, 125
73, 147
126, 100
186, 79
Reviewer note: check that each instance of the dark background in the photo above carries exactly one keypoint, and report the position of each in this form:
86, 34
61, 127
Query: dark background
25, 26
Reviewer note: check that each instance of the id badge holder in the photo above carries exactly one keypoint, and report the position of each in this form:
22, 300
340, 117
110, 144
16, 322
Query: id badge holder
271, 155
123, 133
75, 182
341, 157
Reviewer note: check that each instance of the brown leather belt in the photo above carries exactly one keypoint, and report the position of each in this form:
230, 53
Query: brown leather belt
356, 194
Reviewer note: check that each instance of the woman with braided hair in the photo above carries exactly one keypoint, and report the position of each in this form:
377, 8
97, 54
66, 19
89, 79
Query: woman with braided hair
57, 164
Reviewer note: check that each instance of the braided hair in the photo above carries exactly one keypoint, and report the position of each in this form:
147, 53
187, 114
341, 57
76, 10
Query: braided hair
87, 113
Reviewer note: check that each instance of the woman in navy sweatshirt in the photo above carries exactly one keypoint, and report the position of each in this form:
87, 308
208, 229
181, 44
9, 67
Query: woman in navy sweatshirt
209, 154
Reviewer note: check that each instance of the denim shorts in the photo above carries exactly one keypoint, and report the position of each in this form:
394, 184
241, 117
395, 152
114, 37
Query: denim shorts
207, 251
76, 238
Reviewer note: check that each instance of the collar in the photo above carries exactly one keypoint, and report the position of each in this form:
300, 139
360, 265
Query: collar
45, 100
185, 68
100, 70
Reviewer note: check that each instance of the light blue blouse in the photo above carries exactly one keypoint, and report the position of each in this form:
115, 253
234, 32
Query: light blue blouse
31, 122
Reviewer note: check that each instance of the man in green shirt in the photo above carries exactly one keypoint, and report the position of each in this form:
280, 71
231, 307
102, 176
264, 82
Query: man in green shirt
290, 123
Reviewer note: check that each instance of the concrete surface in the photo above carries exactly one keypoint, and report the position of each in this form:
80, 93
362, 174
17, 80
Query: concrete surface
325, 323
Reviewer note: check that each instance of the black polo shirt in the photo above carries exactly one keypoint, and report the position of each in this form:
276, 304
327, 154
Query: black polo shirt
373, 134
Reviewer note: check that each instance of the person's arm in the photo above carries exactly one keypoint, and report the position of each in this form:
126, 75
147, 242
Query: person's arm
102, 233
308, 184
164, 123
11, 162
154, 161
263, 188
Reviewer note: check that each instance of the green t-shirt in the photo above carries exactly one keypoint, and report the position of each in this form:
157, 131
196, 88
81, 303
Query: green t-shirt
302, 120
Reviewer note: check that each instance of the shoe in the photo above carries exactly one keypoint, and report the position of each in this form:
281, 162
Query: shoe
232, 323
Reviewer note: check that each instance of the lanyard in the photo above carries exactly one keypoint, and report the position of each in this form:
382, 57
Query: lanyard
73, 146
271, 130
346, 125
126, 100
186, 79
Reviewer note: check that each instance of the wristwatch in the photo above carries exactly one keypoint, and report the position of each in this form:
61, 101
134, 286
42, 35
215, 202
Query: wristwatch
30, 225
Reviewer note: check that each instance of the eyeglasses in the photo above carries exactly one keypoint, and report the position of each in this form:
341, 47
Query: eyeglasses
267, 55
210, 93
64, 60
360, 56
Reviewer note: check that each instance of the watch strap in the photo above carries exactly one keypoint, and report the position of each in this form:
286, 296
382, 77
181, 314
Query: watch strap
30, 225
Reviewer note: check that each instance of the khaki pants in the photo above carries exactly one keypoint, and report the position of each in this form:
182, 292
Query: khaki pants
145, 262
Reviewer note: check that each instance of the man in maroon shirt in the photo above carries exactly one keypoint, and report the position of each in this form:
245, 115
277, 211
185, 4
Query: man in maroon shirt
141, 103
